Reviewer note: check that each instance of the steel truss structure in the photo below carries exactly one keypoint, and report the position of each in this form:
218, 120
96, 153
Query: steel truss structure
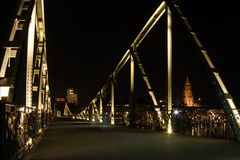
164, 117
24, 70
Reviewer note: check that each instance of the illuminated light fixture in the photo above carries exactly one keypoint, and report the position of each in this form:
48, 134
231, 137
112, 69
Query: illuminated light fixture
5, 85
112, 120
176, 112
29, 142
42, 107
44, 67
47, 88
169, 129
21, 109
100, 119
4, 90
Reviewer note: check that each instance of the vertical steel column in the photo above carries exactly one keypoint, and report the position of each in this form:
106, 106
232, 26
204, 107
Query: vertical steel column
93, 112
132, 83
112, 102
100, 108
230, 108
30, 53
132, 74
169, 65
88, 110
140, 37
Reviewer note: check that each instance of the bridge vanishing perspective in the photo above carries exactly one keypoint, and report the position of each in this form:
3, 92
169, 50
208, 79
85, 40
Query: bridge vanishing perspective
163, 116
24, 85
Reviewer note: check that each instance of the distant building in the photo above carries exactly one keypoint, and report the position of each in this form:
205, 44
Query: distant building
59, 99
72, 102
188, 99
71, 96
59, 106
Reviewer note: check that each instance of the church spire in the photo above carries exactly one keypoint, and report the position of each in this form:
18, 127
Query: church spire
187, 81
187, 94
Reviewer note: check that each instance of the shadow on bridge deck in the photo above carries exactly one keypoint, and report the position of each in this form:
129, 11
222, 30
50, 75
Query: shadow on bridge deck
70, 140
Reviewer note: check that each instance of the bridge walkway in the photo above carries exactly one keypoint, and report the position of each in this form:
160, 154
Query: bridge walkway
74, 140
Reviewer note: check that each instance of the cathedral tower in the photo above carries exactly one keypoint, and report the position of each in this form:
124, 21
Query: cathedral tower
187, 94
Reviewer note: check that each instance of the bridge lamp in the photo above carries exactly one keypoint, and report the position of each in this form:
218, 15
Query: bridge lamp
5, 86
176, 112
169, 128
112, 120
100, 119
93, 119
21, 109
4, 90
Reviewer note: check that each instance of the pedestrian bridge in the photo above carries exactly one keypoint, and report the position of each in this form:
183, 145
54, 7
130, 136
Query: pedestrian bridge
26, 108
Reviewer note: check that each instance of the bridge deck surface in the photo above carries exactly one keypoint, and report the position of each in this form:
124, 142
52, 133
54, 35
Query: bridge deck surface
78, 140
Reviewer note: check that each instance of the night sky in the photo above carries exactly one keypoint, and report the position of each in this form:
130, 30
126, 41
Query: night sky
86, 40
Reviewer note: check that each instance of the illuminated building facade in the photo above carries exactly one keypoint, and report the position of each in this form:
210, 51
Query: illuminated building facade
71, 96
188, 99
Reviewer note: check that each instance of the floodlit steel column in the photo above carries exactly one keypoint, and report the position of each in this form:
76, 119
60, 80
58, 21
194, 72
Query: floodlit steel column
92, 118
131, 76
169, 65
143, 33
132, 83
89, 113
30, 53
230, 108
112, 102
100, 109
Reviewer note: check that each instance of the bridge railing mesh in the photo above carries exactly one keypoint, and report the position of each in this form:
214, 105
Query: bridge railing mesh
202, 122
190, 121
23, 126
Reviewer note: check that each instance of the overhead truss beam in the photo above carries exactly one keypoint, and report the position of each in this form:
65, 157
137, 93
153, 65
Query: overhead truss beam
229, 106
26, 40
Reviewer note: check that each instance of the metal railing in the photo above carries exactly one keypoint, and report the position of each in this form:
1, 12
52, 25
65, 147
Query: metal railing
21, 127
191, 121
202, 122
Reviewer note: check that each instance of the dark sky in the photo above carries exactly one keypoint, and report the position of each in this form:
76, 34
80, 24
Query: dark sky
86, 39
